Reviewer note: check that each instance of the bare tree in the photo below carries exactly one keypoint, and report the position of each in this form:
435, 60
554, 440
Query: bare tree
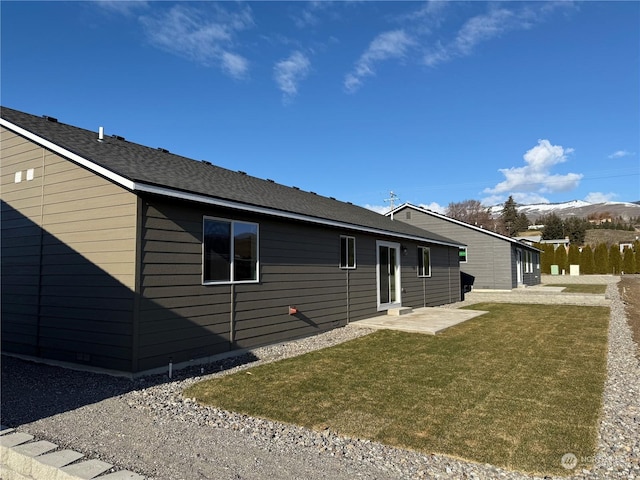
471, 211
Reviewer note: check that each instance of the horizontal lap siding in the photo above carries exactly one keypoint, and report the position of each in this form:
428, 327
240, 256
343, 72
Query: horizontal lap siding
68, 258
443, 286
488, 257
179, 319
182, 319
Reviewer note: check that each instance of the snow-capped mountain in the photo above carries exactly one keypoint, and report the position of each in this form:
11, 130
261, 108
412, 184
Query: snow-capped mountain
576, 208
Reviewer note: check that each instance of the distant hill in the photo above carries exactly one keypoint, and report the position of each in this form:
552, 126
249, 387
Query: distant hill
576, 208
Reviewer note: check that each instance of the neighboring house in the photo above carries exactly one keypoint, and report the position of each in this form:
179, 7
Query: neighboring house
529, 239
556, 242
126, 257
495, 261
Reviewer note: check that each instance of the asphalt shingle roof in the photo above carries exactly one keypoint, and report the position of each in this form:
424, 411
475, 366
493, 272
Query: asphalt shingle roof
156, 167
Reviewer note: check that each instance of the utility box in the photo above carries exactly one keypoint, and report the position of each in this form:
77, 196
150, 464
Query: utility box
574, 270
555, 269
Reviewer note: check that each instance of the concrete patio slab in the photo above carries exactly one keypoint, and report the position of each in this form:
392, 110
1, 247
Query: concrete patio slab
429, 320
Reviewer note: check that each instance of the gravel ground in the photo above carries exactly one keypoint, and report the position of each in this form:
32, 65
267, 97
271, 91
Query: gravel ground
146, 426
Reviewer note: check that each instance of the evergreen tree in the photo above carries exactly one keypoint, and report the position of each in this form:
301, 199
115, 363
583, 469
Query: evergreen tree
575, 229
615, 259
560, 259
636, 249
573, 257
509, 217
628, 261
601, 259
553, 227
587, 265
546, 257
522, 223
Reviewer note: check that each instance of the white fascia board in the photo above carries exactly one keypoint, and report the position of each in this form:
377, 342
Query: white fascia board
119, 179
458, 222
219, 202
169, 192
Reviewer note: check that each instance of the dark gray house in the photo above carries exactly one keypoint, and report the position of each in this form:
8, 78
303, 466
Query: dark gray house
125, 257
495, 261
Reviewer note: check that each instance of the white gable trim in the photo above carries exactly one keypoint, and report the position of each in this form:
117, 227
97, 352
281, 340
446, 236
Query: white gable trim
119, 179
195, 197
458, 222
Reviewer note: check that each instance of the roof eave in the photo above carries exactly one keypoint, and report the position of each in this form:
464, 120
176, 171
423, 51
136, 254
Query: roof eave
457, 222
137, 186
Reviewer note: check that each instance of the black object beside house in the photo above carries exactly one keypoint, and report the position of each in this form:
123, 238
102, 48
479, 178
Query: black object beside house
494, 261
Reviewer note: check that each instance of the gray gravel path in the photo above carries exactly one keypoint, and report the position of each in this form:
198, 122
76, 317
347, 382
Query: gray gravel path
146, 426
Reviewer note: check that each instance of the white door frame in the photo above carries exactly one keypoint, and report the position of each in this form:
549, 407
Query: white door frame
395, 273
519, 270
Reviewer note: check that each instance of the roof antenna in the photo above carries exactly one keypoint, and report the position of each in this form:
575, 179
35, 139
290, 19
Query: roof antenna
100, 134
392, 198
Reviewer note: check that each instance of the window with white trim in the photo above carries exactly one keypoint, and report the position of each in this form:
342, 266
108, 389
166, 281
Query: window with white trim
424, 262
230, 251
462, 254
528, 262
347, 252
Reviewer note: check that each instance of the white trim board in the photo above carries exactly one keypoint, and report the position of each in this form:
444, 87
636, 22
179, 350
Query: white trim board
136, 186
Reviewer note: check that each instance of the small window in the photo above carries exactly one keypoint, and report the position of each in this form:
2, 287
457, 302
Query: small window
424, 262
230, 251
462, 254
347, 252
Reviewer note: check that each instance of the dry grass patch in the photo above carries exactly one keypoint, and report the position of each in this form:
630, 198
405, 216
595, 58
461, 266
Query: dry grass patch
580, 288
629, 288
517, 387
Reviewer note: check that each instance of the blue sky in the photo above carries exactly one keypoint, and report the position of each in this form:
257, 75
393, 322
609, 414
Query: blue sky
438, 102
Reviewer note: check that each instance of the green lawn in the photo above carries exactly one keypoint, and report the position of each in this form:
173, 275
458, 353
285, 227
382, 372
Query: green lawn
581, 288
517, 387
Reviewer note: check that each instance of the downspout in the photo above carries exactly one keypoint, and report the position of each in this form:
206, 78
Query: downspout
232, 317
40, 262
137, 292
449, 271
348, 303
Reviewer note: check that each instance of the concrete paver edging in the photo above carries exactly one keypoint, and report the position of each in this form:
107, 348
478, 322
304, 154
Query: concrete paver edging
23, 458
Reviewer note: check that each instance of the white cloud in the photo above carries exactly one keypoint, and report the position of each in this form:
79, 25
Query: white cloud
482, 28
417, 38
387, 45
126, 8
205, 37
620, 154
599, 197
381, 209
289, 72
434, 207
536, 176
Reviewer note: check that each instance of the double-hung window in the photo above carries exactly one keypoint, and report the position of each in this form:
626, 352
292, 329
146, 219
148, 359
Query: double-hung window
424, 262
347, 252
230, 251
